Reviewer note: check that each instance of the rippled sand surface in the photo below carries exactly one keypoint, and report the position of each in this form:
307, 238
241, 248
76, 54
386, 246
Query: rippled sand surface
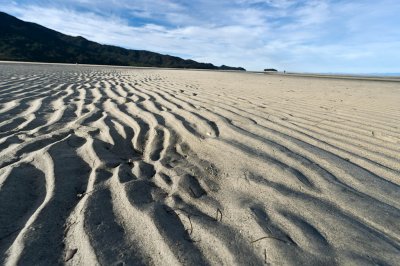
103, 166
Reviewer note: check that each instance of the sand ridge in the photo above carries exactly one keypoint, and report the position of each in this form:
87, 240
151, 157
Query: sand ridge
103, 166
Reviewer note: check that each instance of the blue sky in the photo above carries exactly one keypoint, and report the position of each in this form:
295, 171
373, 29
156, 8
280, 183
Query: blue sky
359, 36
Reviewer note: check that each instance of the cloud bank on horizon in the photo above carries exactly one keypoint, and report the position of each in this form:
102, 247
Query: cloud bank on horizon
359, 36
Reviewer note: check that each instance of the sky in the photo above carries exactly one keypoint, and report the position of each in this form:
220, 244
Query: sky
338, 36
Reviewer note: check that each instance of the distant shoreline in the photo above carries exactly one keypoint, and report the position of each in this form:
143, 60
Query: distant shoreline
333, 76
117, 66
287, 74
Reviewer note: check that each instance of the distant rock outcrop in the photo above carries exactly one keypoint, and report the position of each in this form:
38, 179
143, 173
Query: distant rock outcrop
25, 41
270, 70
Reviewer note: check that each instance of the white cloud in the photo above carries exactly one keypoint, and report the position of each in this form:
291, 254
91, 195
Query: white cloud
315, 35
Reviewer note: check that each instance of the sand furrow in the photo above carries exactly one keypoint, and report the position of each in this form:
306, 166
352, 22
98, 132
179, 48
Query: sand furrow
270, 121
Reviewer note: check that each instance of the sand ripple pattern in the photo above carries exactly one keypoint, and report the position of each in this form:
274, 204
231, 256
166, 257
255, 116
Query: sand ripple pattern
114, 166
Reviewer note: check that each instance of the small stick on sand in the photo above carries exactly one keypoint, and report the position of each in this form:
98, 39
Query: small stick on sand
68, 226
189, 231
81, 195
265, 255
272, 237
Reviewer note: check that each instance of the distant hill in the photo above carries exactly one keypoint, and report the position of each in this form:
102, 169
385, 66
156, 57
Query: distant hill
26, 41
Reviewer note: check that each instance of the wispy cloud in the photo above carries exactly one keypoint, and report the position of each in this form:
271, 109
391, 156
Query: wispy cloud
299, 35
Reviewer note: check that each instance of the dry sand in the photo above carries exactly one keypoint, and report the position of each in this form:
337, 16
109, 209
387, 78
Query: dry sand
103, 166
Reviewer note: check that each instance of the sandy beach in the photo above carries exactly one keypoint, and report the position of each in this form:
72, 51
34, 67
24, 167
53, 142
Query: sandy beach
119, 166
